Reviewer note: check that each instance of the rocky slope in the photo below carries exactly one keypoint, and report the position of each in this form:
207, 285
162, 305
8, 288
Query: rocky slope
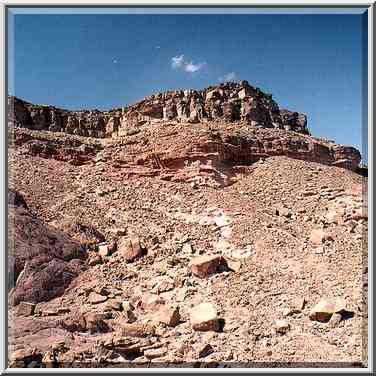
217, 243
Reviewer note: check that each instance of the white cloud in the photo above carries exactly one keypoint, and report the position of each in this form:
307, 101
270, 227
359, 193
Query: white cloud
192, 68
177, 61
228, 77
114, 61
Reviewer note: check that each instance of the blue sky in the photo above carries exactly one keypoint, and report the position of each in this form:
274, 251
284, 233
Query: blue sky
311, 63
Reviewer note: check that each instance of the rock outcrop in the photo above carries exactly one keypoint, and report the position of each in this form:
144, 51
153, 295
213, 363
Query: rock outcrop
230, 102
42, 260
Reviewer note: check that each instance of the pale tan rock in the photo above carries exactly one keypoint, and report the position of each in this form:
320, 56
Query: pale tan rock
202, 266
155, 353
103, 250
326, 307
113, 304
319, 236
204, 317
234, 265
297, 305
281, 326
335, 320
151, 301
95, 298
128, 313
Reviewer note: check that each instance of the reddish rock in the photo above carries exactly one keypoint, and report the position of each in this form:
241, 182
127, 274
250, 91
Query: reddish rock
202, 266
168, 315
137, 330
130, 248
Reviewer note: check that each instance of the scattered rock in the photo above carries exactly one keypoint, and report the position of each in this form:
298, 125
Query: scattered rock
204, 318
234, 265
335, 320
202, 266
168, 315
130, 248
205, 350
326, 307
281, 326
103, 250
95, 322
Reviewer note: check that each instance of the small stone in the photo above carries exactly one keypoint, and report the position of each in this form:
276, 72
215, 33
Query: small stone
204, 318
128, 311
113, 304
205, 351
281, 326
119, 231
130, 248
25, 309
202, 266
95, 298
168, 315
94, 259
319, 236
335, 320
233, 265
297, 305
155, 353
103, 250
325, 308
95, 322
187, 249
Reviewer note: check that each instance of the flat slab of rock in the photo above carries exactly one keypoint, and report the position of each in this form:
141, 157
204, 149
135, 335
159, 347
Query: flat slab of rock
202, 266
137, 330
204, 317
95, 298
326, 307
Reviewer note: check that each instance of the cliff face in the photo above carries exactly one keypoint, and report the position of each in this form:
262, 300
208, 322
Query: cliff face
229, 125
229, 102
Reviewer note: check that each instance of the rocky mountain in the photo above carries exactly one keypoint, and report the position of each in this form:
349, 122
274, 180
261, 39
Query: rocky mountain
192, 229
228, 102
